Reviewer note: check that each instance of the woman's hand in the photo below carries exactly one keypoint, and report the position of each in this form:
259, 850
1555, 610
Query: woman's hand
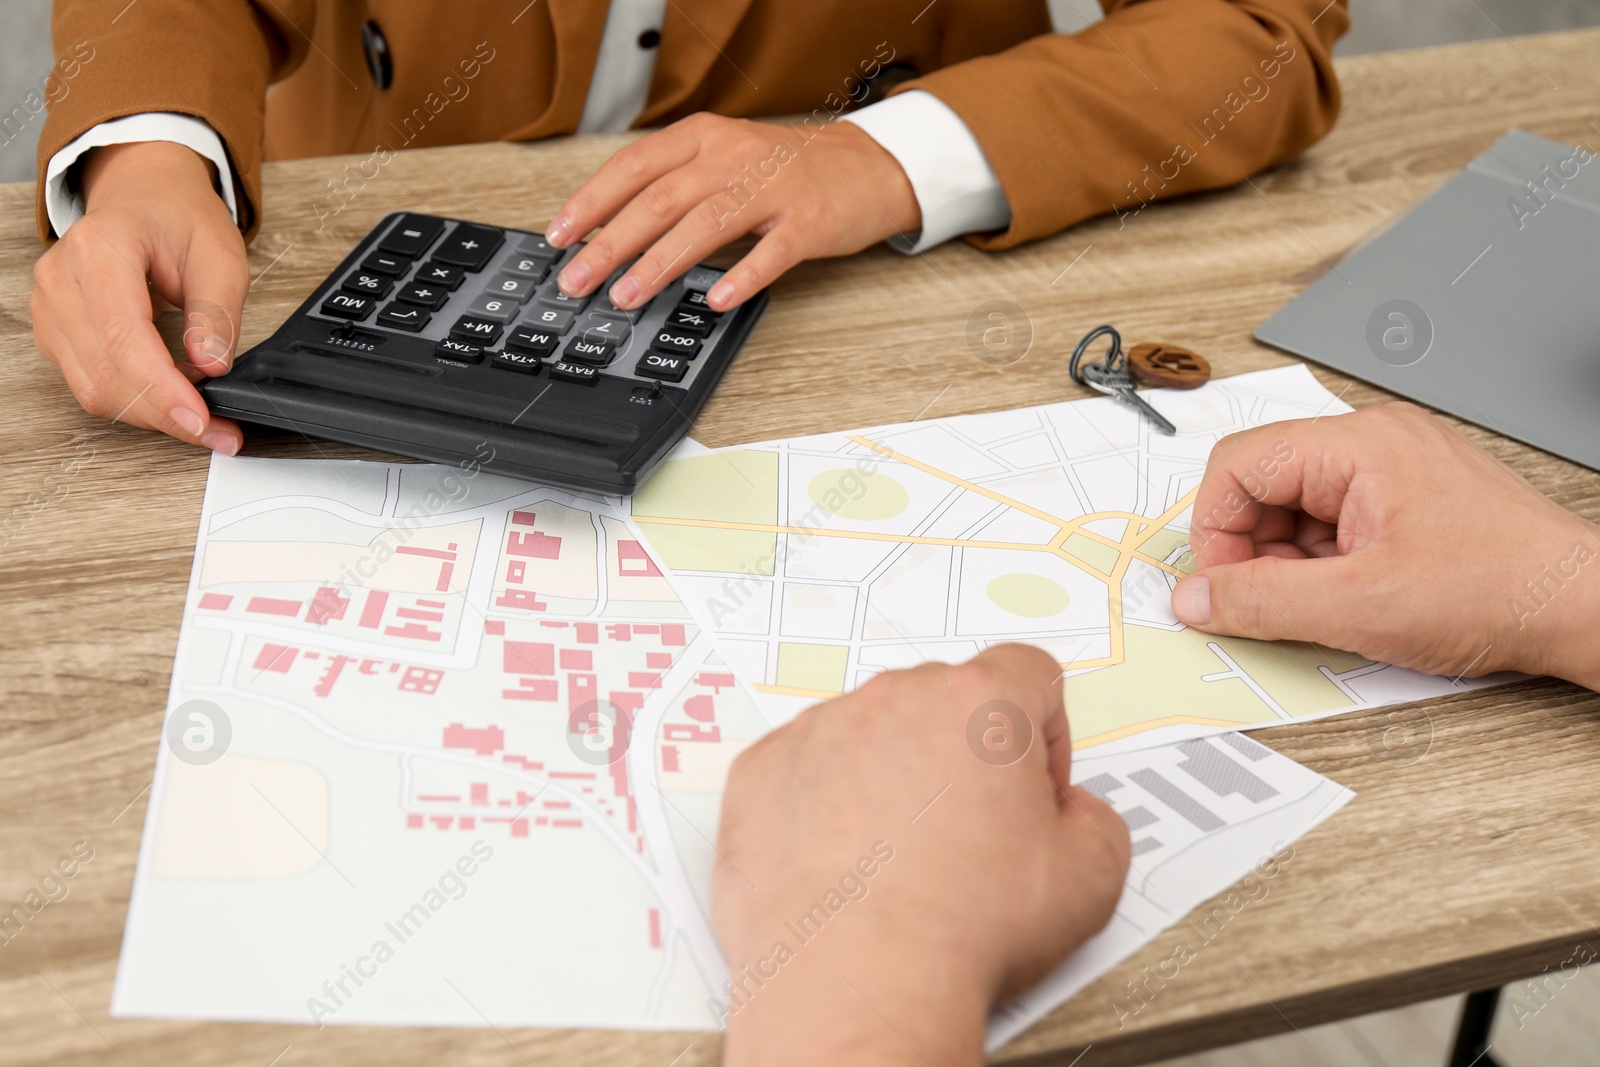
153, 223
680, 194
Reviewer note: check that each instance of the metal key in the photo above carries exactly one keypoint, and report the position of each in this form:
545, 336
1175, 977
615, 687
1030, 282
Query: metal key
1111, 376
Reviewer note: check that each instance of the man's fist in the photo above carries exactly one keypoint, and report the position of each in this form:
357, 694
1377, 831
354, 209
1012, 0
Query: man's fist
895, 861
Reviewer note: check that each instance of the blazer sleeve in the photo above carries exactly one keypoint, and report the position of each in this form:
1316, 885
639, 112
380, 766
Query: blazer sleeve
212, 60
1160, 98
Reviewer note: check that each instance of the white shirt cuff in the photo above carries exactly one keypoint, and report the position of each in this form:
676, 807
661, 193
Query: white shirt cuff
956, 188
64, 206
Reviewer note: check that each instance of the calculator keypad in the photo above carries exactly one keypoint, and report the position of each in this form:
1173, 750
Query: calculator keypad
449, 342
464, 351
532, 339
478, 331
403, 317
386, 263
348, 306
588, 353
695, 299
597, 327
689, 320
518, 361
411, 235
483, 296
422, 294
557, 319
368, 283
574, 372
676, 342
534, 267
552, 297
494, 308
512, 286
664, 366
469, 246
441, 274
604, 306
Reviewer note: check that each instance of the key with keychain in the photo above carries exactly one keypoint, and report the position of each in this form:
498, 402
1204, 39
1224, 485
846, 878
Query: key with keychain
1157, 366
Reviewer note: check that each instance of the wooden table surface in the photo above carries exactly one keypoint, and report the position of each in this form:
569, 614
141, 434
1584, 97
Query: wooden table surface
1469, 862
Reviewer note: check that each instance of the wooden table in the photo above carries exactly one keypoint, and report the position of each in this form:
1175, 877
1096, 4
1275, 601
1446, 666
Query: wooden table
1473, 865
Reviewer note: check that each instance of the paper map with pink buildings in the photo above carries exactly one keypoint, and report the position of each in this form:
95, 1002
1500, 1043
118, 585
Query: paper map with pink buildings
444, 748
422, 670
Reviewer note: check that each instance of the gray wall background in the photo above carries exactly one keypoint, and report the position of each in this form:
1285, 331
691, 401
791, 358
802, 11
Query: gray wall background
1378, 25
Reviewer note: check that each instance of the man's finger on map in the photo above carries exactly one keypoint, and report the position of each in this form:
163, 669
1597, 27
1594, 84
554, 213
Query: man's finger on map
1276, 599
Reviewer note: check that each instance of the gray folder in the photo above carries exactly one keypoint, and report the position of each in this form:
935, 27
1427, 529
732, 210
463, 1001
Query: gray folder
1482, 301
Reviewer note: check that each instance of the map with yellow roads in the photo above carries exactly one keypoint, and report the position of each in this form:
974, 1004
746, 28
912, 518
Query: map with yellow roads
820, 561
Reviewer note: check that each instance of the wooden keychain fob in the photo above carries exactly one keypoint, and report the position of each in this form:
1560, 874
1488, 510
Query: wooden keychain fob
1164, 366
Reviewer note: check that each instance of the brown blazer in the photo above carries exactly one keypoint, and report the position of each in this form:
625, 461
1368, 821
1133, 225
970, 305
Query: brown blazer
1163, 97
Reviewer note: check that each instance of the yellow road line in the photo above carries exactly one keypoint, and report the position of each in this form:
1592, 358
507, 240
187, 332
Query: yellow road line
1140, 529
906, 539
1156, 563
789, 690
971, 487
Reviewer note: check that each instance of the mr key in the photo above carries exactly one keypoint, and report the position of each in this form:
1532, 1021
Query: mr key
1159, 366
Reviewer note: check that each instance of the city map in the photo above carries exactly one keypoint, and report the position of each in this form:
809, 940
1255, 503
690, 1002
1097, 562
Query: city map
444, 748
820, 561
425, 671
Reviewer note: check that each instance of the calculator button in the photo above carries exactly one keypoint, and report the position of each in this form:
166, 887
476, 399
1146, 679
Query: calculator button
531, 244
688, 320
588, 353
533, 340
697, 301
403, 317
441, 274
478, 331
518, 361
348, 306
534, 267
411, 235
677, 342
384, 263
501, 309
422, 294
368, 284
597, 327
511, 286
605, 307
461, 351
554, 298
663, 365
469, 246
700, 279
574, 372
556, 320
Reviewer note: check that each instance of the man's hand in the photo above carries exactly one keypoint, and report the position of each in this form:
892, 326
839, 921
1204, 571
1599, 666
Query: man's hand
896, 860
1387, 533
680, 194
153, 223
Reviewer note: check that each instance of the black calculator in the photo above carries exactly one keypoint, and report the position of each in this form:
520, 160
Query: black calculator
449, 341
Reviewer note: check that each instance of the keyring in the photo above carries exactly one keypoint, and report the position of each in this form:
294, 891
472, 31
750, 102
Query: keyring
1113, 354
